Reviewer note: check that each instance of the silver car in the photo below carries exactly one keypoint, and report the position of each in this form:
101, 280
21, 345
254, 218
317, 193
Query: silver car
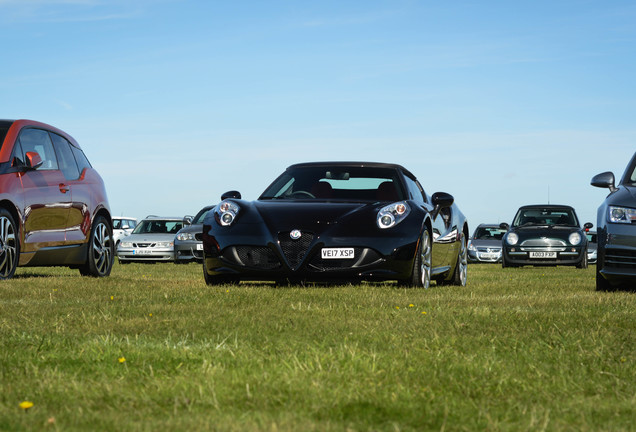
187, 244
485, 244
122, 227
152, 240
592, 254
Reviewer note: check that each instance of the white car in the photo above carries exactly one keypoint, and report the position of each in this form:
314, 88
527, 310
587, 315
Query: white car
122, 227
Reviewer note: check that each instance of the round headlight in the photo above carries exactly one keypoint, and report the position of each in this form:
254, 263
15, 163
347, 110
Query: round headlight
575, 238
512, 239
387, 220
227, 218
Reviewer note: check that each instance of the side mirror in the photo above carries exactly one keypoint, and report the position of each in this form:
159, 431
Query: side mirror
33, 160
442, 199
187, 220
604, 180
588, 225
504, 226
231, 194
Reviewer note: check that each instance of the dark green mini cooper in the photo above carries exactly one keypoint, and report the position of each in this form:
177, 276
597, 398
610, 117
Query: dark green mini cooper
543, 235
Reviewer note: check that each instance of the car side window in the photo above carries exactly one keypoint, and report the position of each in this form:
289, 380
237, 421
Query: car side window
80, 158
67, 163
414, 190
38, 140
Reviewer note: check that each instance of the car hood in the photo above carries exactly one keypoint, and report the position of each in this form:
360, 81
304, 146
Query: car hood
550, 231
194, 228
486, 243
149, 238
624, 196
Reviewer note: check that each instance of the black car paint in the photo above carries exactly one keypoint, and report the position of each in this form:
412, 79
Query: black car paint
616, 242
262, 228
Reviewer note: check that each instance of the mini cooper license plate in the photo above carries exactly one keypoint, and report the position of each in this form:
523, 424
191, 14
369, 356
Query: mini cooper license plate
543, 254
337, 253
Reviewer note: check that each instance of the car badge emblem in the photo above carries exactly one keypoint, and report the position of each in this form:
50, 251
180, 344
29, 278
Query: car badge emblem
295, 234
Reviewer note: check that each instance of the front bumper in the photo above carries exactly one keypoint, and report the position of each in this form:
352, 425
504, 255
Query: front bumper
375, 259
186, 251
484, 255
145, 254
617, 252
543, 256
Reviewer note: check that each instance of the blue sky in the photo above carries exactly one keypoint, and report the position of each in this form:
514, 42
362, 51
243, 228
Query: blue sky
499, 103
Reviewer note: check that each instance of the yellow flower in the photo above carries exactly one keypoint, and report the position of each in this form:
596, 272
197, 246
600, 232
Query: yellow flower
423, 312
397, 307
411, 305
112, 297
150, 314
121, 359
26, 405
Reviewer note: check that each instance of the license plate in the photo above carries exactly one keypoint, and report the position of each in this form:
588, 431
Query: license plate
199, 246
488, 255
142, 252
337, 253
543, 254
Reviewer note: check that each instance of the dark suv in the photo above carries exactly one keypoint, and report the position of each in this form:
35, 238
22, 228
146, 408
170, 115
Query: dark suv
53, 205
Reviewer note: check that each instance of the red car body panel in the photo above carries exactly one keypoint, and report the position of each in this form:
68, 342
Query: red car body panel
52, 211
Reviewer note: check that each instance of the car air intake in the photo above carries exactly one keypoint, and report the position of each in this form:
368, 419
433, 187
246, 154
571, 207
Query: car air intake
295, 250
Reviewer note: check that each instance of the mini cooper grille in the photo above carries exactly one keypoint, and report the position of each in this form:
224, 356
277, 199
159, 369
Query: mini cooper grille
543, 242
256, 256
295, 250
362, 257
620, 259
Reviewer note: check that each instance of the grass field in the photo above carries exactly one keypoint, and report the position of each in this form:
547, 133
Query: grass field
153, 348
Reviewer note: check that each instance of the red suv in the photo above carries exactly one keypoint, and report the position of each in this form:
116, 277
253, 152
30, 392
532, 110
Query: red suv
53, 205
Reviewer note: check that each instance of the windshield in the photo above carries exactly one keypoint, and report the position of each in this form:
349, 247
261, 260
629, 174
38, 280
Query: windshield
545, 216
198, 219
337, 183
158, 227
488, 233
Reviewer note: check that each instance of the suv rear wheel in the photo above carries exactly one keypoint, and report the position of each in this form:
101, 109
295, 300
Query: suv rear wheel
9, 245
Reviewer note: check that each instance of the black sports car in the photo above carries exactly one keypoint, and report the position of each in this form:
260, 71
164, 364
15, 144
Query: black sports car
336, 222
616, 231
545, 235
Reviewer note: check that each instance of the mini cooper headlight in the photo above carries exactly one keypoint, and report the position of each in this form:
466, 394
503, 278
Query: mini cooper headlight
512, 239
575, 238
622, 214
186, 236
393, 214
226, 212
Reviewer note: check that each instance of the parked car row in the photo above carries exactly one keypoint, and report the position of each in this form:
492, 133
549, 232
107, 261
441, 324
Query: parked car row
327, 221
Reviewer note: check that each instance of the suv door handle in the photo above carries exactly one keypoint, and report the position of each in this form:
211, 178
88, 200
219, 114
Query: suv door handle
64, 188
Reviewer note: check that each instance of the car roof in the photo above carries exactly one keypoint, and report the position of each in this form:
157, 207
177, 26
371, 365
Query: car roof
170, 218
124, 217
541, 206
484, 225
354, 164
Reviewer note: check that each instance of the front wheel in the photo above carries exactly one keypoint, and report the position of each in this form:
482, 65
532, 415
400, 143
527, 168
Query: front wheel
9, 245
99, 261
421, 272
461, 267
602, 284
583, 263
212, 280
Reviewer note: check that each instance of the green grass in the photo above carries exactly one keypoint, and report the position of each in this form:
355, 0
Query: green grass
517, 349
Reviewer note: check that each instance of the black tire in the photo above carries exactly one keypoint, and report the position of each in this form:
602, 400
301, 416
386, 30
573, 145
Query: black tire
460, 274
9, 245
213, 280
101, 250
602, 284
421, 273
583, 263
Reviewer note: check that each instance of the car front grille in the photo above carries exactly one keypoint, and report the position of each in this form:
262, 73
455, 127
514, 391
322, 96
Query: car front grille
620, 258
294, 250
143, 245
489, 249
543, 242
